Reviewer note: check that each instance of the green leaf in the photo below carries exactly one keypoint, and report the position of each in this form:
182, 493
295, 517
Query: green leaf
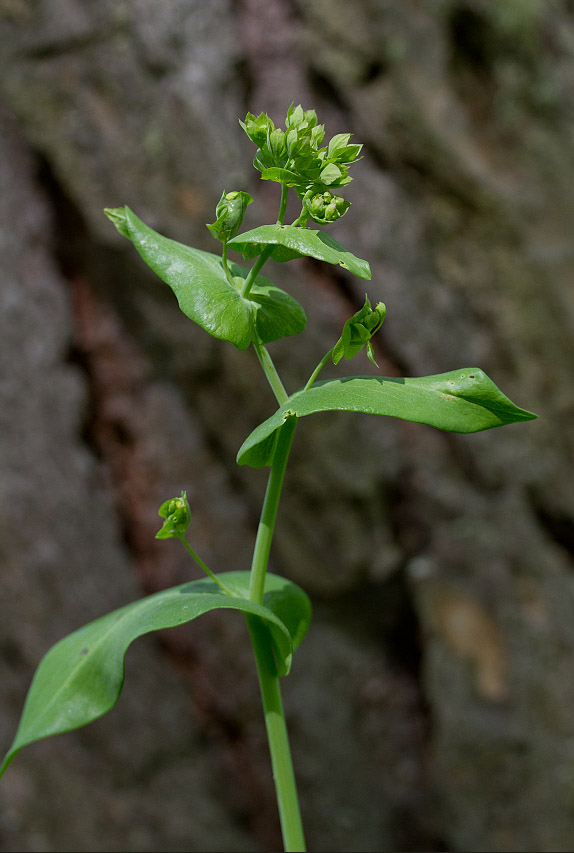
463, 401
82, 676
339, 141
197, 278
204, 292
282, 176
277, 314
330, 174
292, 242
258, 127
340, 151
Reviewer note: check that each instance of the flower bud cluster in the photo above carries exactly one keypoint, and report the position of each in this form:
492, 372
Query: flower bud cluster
324, 207
294, 157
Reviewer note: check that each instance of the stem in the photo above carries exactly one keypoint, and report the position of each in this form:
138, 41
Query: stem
271, 372
282, 205
318, 369
265, 254
254, 271
225, 266
283, 774
269, 511
281, 762
200, 563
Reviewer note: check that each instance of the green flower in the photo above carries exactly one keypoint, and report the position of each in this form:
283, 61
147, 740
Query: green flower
295, 158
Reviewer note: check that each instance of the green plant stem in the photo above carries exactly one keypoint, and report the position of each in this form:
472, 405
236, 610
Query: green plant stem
283, 204
283, 774
269, 511
281, 762
270, 372
254, 271
207, 570
266, 253
225, 265
318, 369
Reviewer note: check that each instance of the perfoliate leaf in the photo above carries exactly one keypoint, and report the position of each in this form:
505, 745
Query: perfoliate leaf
277, 314
463, 401
81, 677
292, 242
204, 293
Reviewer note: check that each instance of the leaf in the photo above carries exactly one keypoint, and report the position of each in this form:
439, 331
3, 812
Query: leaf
258, 127
292, 242
282, 176
198, 281
277, 314
82, 676
340, 140
204, 292
463, 401
330, 174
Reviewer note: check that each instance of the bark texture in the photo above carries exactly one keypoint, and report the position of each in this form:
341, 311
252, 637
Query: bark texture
431, 703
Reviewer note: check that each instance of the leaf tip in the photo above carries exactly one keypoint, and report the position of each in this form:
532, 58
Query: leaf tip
525, 415
8, 758
118, 216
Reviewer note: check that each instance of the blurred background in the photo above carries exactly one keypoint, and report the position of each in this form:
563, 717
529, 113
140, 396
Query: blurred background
431, 703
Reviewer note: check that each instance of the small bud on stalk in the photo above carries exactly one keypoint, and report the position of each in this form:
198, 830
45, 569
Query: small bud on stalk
230, 211
177, 518
358, 331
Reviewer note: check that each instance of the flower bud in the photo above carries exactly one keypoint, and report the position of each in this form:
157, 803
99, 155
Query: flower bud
177, 517
358, 331
331, 212
317, 206
325, 207
229, 211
